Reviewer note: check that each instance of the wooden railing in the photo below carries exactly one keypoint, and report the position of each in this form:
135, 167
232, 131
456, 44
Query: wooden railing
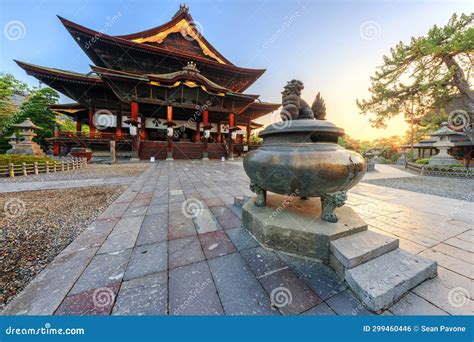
24, 169
96, 135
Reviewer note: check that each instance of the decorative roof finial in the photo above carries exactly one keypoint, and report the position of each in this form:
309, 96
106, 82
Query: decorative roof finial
191, 67
183, 8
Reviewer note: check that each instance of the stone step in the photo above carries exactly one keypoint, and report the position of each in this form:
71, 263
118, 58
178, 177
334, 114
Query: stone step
241, 200
380, 282
353, 250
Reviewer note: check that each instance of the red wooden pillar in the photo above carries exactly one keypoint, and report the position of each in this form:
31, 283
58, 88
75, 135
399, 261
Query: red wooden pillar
143, 129
198, 132
206, 127
248, 134
219, 134
56, 143
78, 125
136, 138
169, 139
91, 123
118, 126
231, 141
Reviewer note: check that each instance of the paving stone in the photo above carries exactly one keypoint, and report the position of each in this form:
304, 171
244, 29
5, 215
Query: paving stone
184, 251
228, 221
455, 252
451, 263
154, 209
147, 295
147, 259
160, 199
319, 277
216, 244
241, 238
179, 198
288, 293
413, 305
452, 300
358, 248
119, 242
145, 195
102, 226
180, 226
115, 210
462, 244
103, 270
176, 192
214, 202
205, 222
140, 211
346, 303
239, 290
154, 229
128, 224
44, 293
142, 202
320, 310
262, 261
85, 240
91, 303
192, 291
382, 281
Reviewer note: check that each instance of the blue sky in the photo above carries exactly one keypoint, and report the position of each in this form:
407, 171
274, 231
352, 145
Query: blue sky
332, 46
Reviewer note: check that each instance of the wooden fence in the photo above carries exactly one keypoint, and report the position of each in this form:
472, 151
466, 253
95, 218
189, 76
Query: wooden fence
441, 171
24, 169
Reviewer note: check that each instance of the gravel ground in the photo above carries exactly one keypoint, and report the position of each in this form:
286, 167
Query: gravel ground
92, 171
457, 188
35, 226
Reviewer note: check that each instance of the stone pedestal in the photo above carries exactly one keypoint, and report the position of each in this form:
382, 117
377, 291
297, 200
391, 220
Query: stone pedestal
372, 265
294, 225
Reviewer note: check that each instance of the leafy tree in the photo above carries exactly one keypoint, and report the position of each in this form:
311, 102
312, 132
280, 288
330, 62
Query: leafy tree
10, 87
429, 72
35, 108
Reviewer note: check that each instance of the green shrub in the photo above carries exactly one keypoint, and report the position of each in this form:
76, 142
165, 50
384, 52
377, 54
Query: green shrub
423, 161
17, 159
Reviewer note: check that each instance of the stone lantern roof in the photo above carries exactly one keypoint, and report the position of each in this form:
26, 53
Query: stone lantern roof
444, 130
27, 124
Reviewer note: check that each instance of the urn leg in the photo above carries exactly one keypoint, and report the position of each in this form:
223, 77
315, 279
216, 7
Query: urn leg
331, 201
261, 193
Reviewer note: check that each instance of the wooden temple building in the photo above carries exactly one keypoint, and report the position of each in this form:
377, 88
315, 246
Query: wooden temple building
163, 92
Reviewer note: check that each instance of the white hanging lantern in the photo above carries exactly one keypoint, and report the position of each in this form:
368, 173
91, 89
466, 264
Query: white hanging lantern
207, 133
133, 130
233, 135
169, 132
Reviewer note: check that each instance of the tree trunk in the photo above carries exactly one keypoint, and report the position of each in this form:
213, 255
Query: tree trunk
460, 82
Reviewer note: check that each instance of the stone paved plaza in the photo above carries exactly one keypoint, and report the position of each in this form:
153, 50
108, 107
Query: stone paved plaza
148, 254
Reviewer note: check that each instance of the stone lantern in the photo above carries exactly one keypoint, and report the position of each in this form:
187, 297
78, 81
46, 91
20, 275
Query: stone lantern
443, 136
26, 145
